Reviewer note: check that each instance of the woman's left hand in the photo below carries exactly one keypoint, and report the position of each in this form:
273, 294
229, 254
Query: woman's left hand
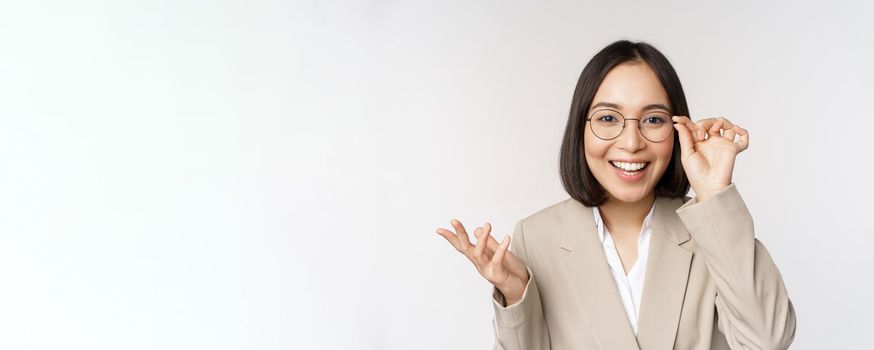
708, 152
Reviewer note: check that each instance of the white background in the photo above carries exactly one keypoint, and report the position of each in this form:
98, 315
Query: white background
270, 175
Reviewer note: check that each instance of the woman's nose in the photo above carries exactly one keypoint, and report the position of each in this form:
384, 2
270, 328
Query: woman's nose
630, 139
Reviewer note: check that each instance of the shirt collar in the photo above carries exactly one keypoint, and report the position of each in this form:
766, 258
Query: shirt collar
647, 222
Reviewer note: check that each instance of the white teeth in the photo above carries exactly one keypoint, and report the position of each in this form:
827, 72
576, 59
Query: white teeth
629, 166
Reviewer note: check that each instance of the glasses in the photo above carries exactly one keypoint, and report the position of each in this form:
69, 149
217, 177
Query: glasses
607, 124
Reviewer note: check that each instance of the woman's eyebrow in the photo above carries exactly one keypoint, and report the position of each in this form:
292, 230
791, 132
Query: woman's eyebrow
645, 108
607, 105
655, 106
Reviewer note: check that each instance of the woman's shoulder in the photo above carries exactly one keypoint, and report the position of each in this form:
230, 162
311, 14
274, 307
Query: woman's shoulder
556, 212
552, 212
542, 228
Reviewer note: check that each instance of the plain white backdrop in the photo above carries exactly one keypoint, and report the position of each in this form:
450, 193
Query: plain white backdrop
270, 174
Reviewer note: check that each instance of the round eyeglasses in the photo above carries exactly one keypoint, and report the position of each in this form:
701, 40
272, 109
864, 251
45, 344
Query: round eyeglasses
607, 124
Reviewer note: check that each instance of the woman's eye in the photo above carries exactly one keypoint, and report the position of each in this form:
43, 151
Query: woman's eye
607, 118
654, 120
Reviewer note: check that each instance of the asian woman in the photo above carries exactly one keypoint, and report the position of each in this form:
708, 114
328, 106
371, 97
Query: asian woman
629, 261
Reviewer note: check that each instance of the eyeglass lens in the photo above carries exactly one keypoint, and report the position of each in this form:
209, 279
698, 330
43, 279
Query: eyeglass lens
608, 124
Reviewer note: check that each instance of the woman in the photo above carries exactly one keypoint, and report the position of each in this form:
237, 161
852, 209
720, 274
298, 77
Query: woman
629, 261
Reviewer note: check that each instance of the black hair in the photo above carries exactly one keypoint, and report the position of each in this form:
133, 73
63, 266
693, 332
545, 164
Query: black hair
576, 177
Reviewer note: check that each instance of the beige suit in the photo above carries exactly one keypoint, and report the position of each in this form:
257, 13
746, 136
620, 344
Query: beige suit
709, 283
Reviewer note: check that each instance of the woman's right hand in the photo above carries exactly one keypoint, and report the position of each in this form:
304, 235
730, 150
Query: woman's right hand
493, 260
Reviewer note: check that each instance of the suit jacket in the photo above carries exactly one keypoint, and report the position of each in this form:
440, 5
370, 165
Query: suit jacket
710, 284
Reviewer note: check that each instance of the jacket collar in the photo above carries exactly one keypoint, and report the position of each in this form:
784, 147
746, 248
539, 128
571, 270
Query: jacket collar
600, 226
579, 214
587, 272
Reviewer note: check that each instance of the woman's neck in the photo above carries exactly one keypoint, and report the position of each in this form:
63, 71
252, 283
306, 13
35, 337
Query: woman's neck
625, 218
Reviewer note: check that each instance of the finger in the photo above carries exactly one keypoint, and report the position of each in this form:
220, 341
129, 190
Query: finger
465, 244
728, 129
515, 265
714, 130
744, 141
685, 134
480, 243
450, 237
701, 132
730, 134
692, 128
463, 239
702, 126
492, 244
498, 258
695, 130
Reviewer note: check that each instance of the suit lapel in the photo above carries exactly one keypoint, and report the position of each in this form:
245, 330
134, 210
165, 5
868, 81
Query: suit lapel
667, 274
587, 272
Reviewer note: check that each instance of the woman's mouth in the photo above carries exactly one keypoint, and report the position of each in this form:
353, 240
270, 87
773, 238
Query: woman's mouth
630, 171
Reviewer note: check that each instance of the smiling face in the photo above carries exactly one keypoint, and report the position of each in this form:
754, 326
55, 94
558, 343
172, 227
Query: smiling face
632, 89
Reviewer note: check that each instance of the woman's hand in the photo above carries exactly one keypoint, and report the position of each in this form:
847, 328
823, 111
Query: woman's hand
708, 152
493, 260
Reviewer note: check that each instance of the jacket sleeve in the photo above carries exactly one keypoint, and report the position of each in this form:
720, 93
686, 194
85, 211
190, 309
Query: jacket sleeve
521, 325
752, 305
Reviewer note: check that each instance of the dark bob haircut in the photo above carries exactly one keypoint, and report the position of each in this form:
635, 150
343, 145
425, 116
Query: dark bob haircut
576, 177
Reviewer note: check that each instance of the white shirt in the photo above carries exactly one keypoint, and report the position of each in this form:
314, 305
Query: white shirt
630, 286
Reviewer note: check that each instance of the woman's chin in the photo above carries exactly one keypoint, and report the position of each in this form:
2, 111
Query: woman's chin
628, 196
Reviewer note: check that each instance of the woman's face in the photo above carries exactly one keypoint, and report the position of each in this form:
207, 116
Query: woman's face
633, 89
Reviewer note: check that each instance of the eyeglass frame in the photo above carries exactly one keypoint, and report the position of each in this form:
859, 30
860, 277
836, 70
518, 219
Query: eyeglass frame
589, 121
